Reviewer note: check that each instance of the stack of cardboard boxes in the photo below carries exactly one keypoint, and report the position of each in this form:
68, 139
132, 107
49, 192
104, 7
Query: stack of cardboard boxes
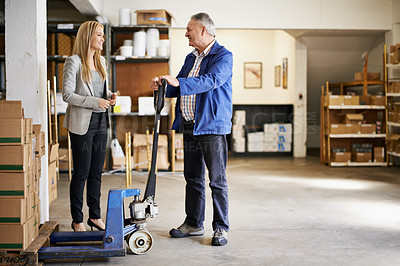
278, 137
393, 143
178, 152
53, 171
238, 134
394, 112
394, 56
142, 151
19, 178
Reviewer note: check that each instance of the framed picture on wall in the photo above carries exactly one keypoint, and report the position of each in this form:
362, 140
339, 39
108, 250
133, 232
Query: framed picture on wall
284, 73
277, 76
253, 75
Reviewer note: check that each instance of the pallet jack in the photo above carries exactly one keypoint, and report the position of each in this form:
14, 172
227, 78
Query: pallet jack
118, 228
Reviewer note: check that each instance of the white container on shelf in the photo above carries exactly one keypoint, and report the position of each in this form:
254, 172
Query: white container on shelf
152, 41
128, 42
139, 43
146, 106
123, 104
125, 16
163, 48
126, 51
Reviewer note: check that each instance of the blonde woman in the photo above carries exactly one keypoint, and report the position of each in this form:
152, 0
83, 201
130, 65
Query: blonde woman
85, 89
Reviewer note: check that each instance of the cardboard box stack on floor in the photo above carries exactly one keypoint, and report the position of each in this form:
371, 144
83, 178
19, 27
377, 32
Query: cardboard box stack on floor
19, 179
238, 132
178, 152
278, 137
53, 171
140, 152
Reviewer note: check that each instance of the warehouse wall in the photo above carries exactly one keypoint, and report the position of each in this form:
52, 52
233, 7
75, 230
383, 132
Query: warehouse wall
335, 57
266, 46
269, 14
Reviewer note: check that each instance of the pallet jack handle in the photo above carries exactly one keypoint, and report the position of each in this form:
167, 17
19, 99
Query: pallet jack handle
159, 99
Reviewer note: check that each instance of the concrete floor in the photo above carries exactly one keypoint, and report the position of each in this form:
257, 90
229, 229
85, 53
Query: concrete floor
283, 211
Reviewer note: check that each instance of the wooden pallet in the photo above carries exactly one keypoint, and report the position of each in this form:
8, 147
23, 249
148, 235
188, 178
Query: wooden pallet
29, 256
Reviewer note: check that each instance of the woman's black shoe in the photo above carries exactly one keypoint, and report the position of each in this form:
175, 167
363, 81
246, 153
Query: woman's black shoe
72, 226
92, 224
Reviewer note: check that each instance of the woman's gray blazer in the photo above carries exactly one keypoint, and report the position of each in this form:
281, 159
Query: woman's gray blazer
79, 96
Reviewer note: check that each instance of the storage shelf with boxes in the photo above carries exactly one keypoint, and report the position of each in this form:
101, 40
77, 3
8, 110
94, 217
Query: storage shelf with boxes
20, 153
350, 122
393, 105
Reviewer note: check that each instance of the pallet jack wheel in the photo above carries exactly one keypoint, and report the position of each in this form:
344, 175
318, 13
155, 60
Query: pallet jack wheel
140, 241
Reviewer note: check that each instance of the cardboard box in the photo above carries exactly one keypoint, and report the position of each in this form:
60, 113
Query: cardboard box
255, 146
38, 168
377, 100
351, 100
19, 236
337, 129
15, 158
340, 157
361, 157
397, 52
16, 185
379, 154
392, 48
140, 151
336, 99
285, 138
284, 147
358, 76
178, 141
28, 130
393, 139
53, 152
153, 17
368, 128
281, 128
255, 137
353, 128
52, 171
271, 137
270, 146
354, 118
392, 116
179, 154
11, 109
393, 72
17, 210
395, 87
12, 131
40, 148
392, 59
364, 99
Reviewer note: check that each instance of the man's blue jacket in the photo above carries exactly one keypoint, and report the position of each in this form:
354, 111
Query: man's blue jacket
213, 89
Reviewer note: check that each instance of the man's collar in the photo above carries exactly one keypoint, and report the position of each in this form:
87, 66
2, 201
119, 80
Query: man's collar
206, 51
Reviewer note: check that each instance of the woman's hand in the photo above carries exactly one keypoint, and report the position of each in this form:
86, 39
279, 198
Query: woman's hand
104, 104
113, 99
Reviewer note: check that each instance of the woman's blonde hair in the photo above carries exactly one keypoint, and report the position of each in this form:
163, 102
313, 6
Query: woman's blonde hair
82, 46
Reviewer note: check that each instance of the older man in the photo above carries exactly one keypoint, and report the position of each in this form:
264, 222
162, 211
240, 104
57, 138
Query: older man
203, 89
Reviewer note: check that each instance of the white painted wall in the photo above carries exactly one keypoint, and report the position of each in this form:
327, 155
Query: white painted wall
269, 14
335, 58
26, 65
266, 46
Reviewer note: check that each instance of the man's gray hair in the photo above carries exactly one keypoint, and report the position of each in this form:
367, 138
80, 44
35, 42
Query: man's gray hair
205, 20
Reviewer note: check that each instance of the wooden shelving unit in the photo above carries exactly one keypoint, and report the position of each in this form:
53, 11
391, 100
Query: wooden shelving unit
392, 98
331, 114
